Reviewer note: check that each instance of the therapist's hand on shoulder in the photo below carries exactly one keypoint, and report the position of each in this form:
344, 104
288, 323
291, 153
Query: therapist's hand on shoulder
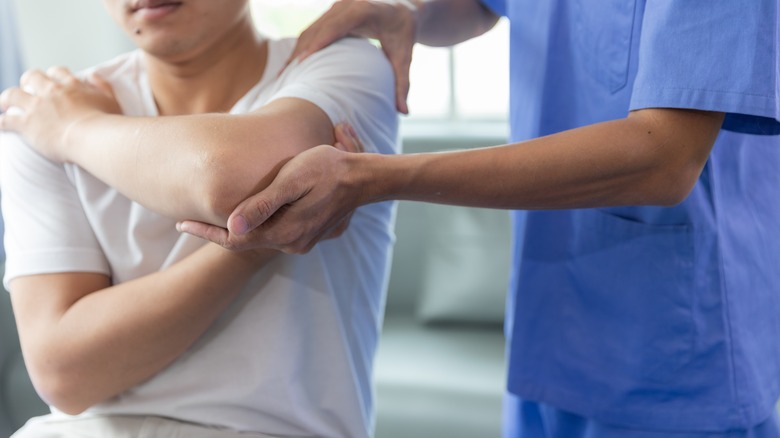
308, 201
392, 23
46, 107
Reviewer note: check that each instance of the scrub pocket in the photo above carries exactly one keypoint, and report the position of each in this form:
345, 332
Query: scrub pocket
603, 39
635, 283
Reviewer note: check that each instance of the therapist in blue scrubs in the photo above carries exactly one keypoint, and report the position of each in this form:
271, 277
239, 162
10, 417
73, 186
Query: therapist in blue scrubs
645, 298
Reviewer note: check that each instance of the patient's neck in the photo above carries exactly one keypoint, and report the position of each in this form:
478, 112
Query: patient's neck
214, 79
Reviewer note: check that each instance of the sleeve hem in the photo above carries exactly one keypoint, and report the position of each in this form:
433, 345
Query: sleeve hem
707, 100
56, 261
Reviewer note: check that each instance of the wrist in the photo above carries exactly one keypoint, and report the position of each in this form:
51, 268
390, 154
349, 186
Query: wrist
375, 177
74, 135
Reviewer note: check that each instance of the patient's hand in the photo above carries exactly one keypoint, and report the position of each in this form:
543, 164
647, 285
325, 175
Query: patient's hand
307, 202
48, 106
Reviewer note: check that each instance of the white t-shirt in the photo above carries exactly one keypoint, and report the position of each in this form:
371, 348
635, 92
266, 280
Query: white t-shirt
292, 356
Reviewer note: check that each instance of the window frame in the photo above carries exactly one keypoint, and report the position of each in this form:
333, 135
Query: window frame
451, 126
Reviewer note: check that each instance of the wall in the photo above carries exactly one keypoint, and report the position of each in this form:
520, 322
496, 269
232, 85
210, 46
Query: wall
51, 34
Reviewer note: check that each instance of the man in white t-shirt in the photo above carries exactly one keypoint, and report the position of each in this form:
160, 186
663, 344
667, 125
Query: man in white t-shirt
129, 327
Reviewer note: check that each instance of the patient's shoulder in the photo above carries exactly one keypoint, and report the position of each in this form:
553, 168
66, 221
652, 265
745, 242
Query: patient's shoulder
358, 50
127, 76
350, 64
351, 54
124, 67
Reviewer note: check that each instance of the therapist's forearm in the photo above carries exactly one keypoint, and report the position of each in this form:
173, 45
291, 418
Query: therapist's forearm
449, 22
649, 159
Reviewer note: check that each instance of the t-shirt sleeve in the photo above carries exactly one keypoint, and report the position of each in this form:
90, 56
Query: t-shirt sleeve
46, 230
712, 55
351, 81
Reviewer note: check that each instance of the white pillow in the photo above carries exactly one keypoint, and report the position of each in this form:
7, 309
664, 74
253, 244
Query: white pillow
466, 270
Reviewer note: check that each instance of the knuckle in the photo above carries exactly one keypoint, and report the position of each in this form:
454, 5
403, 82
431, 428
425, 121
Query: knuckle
70, 80
299, 249
287, 249
231, 243
5, 96
29, 76
232, 246
262, 208
288, 238
26, 76
340, 229
293, 250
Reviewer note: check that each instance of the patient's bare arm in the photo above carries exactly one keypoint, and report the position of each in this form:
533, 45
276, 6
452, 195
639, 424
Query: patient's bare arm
187, 167
86, 340
49, 105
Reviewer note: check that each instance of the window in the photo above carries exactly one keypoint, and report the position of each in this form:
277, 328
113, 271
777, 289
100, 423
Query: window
467, 83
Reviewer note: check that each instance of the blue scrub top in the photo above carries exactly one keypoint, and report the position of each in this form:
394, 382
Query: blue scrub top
651, 317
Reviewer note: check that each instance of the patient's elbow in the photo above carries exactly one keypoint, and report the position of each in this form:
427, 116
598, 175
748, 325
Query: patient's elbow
62, 392
227, 180
217, 202
220, 196
216, 188
70, 407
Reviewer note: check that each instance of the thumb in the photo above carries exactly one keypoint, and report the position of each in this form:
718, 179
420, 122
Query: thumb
258, 208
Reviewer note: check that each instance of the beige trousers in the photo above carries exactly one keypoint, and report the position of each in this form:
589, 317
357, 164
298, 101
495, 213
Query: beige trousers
122, 427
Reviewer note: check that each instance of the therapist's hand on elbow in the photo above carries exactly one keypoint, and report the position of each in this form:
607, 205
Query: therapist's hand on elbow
307, 201
392, 23
46, 107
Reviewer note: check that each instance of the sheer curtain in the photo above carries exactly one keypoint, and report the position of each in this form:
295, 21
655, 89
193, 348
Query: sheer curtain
10, 59
10, 56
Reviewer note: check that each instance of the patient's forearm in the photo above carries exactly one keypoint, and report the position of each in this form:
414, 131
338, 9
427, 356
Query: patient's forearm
117, 337
162, 163
199, 166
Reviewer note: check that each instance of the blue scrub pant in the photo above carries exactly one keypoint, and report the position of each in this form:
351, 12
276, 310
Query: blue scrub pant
526, 419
